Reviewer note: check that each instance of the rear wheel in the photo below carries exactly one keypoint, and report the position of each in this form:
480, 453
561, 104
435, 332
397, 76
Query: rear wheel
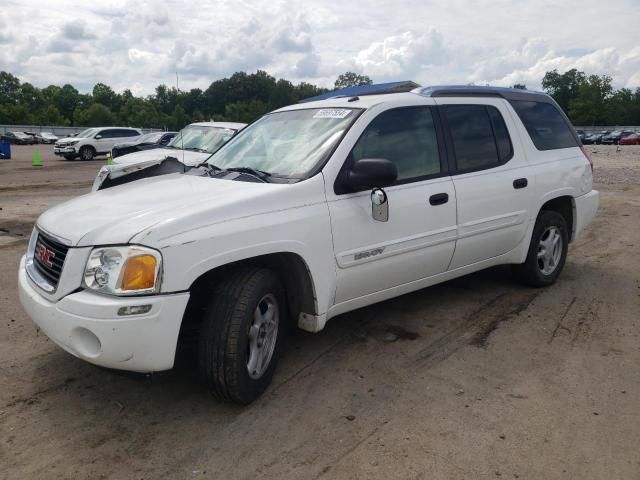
547, 251
87, 153
241, 334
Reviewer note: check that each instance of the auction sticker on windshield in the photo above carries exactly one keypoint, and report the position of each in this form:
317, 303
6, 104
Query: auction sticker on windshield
332, 113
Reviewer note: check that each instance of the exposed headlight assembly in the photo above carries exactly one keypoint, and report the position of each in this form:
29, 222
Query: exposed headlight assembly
124, 270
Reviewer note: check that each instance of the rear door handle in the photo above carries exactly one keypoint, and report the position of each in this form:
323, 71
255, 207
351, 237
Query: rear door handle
520, 183
439, 198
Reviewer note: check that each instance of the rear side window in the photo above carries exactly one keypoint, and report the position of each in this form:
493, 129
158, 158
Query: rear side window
546, 126
407, 137
479, 135
121, 133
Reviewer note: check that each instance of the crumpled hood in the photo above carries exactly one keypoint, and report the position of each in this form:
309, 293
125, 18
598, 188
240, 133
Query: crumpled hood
187, 157
115, 215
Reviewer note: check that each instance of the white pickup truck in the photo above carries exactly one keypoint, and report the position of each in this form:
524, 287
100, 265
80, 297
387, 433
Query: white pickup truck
314, 210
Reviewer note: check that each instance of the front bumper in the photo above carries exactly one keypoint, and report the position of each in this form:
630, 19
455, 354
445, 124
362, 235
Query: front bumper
88, 326
64, 151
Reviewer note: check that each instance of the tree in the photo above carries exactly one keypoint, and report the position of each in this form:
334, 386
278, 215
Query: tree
351, 79
245, 111
95, 115
9, 88
66, 100
52, 117
563, 87
105, 95
589, 105
519, 86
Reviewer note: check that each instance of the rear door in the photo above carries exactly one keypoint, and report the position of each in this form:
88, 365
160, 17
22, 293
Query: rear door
123, 135
105, 139
492, 179
418, 239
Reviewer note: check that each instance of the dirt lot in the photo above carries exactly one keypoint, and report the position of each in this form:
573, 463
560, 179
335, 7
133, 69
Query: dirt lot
487, 379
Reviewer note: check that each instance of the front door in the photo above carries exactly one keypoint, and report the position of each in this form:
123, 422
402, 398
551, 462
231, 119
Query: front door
418, 239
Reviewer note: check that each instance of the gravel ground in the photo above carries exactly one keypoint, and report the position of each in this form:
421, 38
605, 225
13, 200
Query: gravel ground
483, 378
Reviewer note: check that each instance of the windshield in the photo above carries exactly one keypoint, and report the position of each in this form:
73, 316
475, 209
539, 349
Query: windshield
150, 137
86, 133
287, 144
201, 138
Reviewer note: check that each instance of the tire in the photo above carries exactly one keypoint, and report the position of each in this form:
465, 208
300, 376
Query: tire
544, 262
87, 153
229, 341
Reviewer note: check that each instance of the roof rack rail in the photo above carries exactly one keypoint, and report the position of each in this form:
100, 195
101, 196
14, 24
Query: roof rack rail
477, 91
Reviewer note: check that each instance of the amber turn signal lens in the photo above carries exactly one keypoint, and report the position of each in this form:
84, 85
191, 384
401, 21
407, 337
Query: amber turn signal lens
139, 273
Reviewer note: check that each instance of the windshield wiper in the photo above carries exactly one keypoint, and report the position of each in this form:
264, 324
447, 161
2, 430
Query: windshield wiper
259, 174
195, 149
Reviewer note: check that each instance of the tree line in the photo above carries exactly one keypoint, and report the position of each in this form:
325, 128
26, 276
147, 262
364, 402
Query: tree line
243, 97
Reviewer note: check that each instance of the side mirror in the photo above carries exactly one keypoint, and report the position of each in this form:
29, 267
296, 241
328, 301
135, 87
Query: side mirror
98, 137
368, 173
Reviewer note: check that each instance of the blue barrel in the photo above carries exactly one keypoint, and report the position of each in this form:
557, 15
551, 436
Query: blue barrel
5, 150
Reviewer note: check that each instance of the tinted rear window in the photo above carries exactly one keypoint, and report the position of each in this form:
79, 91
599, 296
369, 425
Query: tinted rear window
546, 126
472, 134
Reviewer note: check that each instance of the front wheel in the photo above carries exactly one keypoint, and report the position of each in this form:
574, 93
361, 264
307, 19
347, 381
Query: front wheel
87, 153
241, 334
547, 251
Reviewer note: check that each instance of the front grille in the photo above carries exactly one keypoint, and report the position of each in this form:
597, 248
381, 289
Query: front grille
50, 273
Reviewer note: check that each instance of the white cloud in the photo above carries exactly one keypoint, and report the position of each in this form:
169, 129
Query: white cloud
138, 44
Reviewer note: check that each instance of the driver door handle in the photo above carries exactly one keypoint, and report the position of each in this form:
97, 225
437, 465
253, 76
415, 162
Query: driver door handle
439, 199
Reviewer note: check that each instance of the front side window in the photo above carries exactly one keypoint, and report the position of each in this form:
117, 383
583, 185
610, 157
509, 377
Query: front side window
475, 145
288, 144
406, 137
545, 124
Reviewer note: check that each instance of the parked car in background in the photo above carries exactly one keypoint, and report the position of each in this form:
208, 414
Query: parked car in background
33, 135
148, 141
93, 141
614, 137
595, 138
189, 148
633, 139
46, 137
312, 211
17, 138
581, 134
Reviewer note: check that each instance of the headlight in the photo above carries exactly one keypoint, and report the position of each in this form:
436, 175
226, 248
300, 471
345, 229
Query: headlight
127, 270
72, 143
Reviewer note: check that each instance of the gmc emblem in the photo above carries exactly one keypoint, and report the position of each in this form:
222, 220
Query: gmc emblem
45, 255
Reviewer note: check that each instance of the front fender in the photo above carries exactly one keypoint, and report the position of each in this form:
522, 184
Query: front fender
307, 230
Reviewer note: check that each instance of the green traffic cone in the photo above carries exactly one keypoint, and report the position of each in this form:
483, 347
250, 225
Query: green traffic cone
36, 159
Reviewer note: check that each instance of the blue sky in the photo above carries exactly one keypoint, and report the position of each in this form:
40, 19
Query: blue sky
139, 44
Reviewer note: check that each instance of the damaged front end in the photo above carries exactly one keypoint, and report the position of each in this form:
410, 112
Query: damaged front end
113, 175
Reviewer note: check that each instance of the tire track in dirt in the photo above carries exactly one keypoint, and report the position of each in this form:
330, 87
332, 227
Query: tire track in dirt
476, 328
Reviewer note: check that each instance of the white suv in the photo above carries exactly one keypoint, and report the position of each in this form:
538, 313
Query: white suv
314, 210
94, 141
